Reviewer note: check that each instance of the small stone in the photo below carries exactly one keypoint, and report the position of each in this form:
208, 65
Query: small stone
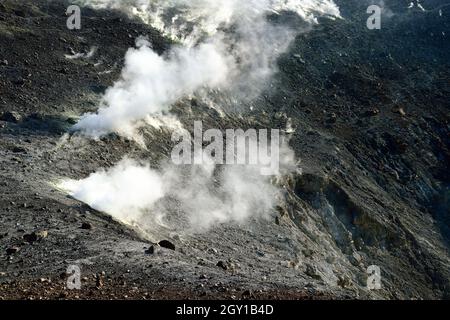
373, 112
37, 116
86, 226
277, 221
166, 244
20, 13
248, 294
355, 259
42, 234
17, 149
30, 238
19, 81
62, 295
260, 253
64, 70
399, 110
282, 211
150, 250
332, 118
176, 237
344, 281
312, 272
99, 281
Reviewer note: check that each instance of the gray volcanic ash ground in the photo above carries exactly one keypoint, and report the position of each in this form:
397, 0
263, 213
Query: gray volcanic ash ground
86, 119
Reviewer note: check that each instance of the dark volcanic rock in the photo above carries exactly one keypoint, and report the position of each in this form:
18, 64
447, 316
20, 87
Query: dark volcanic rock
312, 272
30, 237
35, 236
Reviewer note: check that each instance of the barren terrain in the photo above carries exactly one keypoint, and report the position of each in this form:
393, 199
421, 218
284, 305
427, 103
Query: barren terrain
371, 112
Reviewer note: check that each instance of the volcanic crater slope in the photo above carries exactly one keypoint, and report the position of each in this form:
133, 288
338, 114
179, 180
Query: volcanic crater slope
371, 116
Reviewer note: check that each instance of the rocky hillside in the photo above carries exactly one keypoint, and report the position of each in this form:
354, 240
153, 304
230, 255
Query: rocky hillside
370, 110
